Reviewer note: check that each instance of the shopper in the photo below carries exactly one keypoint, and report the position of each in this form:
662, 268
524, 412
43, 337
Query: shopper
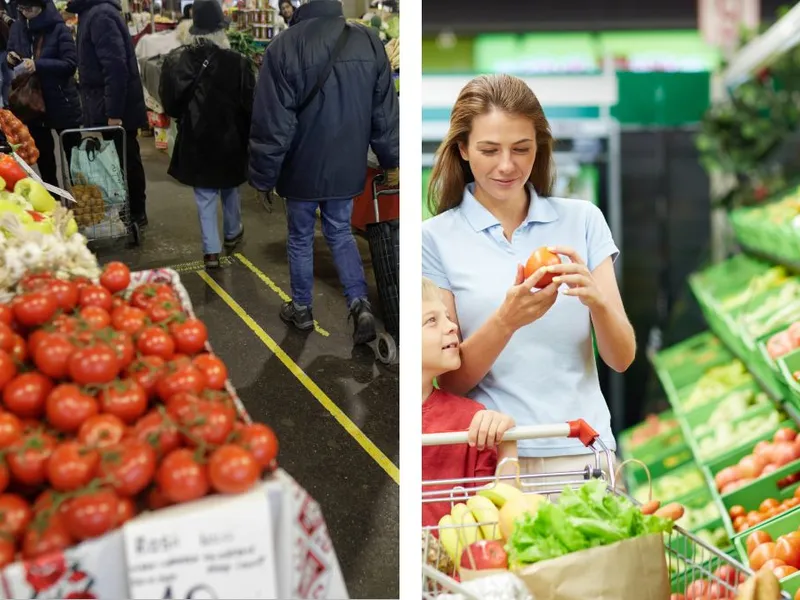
443, 411
110, 86
209, 89
313, 146
40, 43
529, 355
286, 10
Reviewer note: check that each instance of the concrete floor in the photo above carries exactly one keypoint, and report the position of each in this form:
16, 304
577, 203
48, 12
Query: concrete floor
358, 498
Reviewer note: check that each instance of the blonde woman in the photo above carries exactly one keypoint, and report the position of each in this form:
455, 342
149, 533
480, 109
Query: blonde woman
526, 353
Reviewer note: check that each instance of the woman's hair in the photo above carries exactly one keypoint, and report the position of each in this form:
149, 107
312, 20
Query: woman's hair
480, 96
430, 291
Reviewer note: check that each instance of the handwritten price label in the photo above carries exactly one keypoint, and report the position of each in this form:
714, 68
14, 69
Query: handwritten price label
219, 547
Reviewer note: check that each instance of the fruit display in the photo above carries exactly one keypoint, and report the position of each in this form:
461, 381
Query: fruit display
716, 537
771, 507
651, 427
19, 137
768, 279
695, 516
716, 382
111, 404
674, 484
732, 406
780, 308
728, 435
702, 588
33, 206
90, 208
781, 555
785, 341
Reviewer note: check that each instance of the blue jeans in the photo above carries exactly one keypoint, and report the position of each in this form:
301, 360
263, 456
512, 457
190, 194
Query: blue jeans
206, 200
336, 215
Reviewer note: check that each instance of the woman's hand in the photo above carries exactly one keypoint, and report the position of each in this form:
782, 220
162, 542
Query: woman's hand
487, 429
576, 275
523, 305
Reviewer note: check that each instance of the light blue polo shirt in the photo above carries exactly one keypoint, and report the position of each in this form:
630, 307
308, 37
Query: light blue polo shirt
547, 373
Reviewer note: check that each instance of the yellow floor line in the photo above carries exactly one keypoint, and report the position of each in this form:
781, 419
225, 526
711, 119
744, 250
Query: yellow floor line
379, 457
273, 286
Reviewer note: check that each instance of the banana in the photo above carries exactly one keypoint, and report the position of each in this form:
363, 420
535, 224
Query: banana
500, 493
486, 513
468, 530
448, 536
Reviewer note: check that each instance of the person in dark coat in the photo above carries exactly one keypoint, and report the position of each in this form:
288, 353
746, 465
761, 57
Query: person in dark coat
110, 86
40, 42
318, 158
213, 120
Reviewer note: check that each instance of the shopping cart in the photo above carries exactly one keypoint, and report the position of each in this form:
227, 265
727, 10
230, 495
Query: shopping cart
688, 558
116, 217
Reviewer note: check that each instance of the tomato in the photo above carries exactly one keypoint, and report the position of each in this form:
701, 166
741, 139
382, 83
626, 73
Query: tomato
162, 310
65, 293
737, 511
10, 429
156, 499
5, 476
156, 342
262, 443
541, 258
784, 571
773, 563
768, 504
126, 510
95, 317
122, 344
697, 589
6, 314
68, 408
755, 539
27, 457
25, 395
205, 421
15, 514
157, 431
124, 399
101, 431
147, 293
8, 369
71, 466
232, 469
33, 281
8, 551
95, 295
181, 478
52, 355
146, 371
6, 338
19, 349
761, 554
34, 308
115, 277
222, 400
92, 515
739, 523
190, 336
788, 550
94, 365
129, 319
129, 466
213, 368
54, 537
186, 379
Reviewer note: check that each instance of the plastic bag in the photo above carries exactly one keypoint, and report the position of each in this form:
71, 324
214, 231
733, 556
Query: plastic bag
96, 161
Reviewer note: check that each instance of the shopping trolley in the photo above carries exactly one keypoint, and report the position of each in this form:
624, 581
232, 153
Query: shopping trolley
689, 559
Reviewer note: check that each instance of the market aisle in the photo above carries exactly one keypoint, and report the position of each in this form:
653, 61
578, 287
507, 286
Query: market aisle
359, 498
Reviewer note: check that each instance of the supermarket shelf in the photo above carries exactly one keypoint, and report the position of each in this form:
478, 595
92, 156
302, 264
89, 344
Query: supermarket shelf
793, 266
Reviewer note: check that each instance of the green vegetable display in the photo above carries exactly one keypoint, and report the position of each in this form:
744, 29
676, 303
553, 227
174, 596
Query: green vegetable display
716, 382
589, 517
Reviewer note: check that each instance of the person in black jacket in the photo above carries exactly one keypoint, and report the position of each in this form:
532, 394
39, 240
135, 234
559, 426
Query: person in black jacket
110, 86
317, 157
40, 42
208, 89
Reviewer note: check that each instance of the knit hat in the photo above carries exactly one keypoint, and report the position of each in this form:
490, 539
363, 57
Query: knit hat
207, 17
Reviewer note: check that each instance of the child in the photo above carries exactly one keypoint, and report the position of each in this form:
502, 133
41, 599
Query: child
442, 411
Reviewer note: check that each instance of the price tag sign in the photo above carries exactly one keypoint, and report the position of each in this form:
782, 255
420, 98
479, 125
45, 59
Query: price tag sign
218, 547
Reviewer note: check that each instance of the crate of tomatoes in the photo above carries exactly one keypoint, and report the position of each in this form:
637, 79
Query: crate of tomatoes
113, 404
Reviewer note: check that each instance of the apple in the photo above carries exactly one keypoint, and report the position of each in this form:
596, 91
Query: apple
487, 554
35, 193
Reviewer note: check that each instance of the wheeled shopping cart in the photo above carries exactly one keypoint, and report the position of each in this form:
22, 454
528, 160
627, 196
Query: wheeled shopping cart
688, 558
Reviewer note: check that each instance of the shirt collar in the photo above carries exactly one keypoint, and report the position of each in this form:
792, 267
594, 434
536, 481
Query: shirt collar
540, 210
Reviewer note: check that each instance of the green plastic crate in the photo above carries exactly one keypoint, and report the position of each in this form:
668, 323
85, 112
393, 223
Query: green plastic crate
789, 364
670, 460
701, 414
761, 344
680, 495
776, 527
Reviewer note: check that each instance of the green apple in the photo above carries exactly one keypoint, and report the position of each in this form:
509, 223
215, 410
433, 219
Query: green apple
35, 193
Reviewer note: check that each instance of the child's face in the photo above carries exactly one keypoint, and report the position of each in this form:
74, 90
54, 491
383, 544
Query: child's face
440, 352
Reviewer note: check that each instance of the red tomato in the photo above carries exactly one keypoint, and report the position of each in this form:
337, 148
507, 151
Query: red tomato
147, 293
5, 477
27, 457
126, 510
8, 369
65, 293
19, 350
8, 551
157, 431
186, 379
146, 371
92, 515
124, 399
181, 478
117, 301
213, 368
262, 443
162, 310
15, 514
6, 314
784, 571
156, 499
115, 277
71, 466
541, 258
26, 394
10, 429
40, 542
756, 539
232, 469
34, 308
788, 550
94, 365
190, 336
122, 344
95, 317
206, 422
154, 341
717, 591
35, 340
101, 431
697, 589
761, 554
95, 295
52, 355
129, 319
64, 323
6, 338
33, 281
128, 467
68, 408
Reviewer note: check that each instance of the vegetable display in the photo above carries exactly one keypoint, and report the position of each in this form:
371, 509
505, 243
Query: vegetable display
19, 137
766, 458
770, 507
781, 556
716, 382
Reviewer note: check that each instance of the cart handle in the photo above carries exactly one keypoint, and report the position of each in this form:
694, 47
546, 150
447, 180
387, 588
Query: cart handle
579, 429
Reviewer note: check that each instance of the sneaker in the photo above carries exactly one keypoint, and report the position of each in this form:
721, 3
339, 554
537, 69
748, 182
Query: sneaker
211, 261
234, 241
299, 316
363, 322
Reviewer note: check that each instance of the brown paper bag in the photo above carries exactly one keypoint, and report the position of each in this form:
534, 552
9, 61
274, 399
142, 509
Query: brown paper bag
632, 569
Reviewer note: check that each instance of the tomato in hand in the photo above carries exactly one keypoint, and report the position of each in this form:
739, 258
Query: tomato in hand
128, 467
146, 371
71, 466
27, 457
26, 394
65, 293
95, 317
181, 478
125, 399
116, 276
541, 258
186, 379
101, 431
94, 365
92, 515
52, 354
162, 310
34, 308
15, 514
129, 319
53, 537
68, 408
213, 368
260, 440
190, 336
154, 341
157, 431
232, 469
95, 295
10, 429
